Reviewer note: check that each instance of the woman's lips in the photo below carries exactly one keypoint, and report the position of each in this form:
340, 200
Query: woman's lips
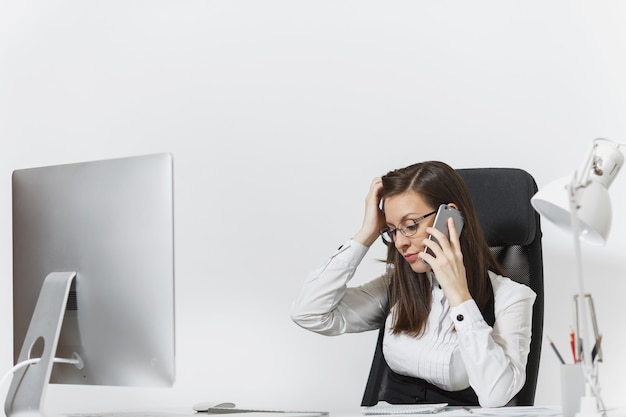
410, 257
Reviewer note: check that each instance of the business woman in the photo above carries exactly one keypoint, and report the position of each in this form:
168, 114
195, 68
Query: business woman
455, 329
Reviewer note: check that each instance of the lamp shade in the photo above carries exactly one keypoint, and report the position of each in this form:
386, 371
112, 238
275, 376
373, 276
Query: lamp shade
594, 209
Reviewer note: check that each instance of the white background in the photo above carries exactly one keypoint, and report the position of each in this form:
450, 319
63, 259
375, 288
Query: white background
278, 114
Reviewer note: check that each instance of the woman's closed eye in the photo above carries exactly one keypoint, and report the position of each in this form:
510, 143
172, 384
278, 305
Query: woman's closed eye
410, 228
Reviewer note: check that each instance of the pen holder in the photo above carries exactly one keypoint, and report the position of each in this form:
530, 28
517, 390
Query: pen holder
572, 388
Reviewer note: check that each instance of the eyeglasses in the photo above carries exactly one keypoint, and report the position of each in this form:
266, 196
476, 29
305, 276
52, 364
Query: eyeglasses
408, 228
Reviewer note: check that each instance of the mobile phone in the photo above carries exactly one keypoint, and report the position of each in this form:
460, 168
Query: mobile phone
441, 222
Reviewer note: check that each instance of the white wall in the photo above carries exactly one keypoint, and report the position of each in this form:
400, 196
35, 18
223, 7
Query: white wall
278, 114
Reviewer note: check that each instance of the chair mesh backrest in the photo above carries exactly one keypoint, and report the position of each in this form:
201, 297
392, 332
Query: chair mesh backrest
514, 260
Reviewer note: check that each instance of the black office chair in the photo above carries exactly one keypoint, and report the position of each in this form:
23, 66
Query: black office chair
513, 231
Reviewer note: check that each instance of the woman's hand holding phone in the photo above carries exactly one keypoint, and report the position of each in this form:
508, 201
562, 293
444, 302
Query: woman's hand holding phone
446, 262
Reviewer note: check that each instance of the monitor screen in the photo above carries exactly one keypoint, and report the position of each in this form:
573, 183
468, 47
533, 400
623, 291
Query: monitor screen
111, 224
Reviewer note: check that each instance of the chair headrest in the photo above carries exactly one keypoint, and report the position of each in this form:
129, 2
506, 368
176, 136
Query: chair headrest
502, 199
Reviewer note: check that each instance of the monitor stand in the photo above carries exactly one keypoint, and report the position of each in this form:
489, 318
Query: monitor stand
28, 387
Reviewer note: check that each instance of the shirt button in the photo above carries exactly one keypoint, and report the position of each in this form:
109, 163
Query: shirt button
460, 317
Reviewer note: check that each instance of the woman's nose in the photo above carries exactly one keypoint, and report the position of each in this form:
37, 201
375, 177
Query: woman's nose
401, 241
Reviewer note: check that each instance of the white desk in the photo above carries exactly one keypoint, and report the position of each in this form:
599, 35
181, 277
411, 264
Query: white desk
533, 411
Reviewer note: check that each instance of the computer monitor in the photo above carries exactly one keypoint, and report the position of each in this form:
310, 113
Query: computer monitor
93, 276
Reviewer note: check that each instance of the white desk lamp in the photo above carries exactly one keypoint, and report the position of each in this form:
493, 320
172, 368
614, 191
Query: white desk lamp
581, 205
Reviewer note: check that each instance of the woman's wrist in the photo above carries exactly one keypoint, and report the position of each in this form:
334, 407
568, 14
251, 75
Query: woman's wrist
365, 237
458, 298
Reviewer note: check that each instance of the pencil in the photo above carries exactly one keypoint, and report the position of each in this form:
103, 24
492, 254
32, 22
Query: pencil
572, 342
556, 351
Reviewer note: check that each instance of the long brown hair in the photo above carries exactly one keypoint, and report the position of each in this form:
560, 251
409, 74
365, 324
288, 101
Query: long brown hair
437, 183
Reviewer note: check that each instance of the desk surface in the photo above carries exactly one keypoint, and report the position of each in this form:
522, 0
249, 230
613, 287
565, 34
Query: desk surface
533, 411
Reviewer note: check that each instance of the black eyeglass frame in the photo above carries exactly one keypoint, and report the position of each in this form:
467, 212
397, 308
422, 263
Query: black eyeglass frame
392, 232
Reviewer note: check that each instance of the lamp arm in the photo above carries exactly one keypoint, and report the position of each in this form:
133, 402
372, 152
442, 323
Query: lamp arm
581, 320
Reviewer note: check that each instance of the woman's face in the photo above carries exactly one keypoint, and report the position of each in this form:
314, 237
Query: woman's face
399, 211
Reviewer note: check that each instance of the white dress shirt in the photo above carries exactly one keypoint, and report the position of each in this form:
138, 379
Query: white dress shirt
458, 348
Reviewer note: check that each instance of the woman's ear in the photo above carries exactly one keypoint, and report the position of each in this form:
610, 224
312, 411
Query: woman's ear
454, 206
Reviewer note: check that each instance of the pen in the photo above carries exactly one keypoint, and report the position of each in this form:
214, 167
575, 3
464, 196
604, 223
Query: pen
556, 351
469, 410
596, 350
581, 352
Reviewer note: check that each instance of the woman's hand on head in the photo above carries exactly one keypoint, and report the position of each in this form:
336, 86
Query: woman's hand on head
374, 218
447, 264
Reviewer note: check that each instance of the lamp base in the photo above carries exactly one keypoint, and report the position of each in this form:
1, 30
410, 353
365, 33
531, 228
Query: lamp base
589, 405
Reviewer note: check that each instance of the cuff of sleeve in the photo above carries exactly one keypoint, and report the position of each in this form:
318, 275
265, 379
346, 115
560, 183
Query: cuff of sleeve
465, 315
351, 252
